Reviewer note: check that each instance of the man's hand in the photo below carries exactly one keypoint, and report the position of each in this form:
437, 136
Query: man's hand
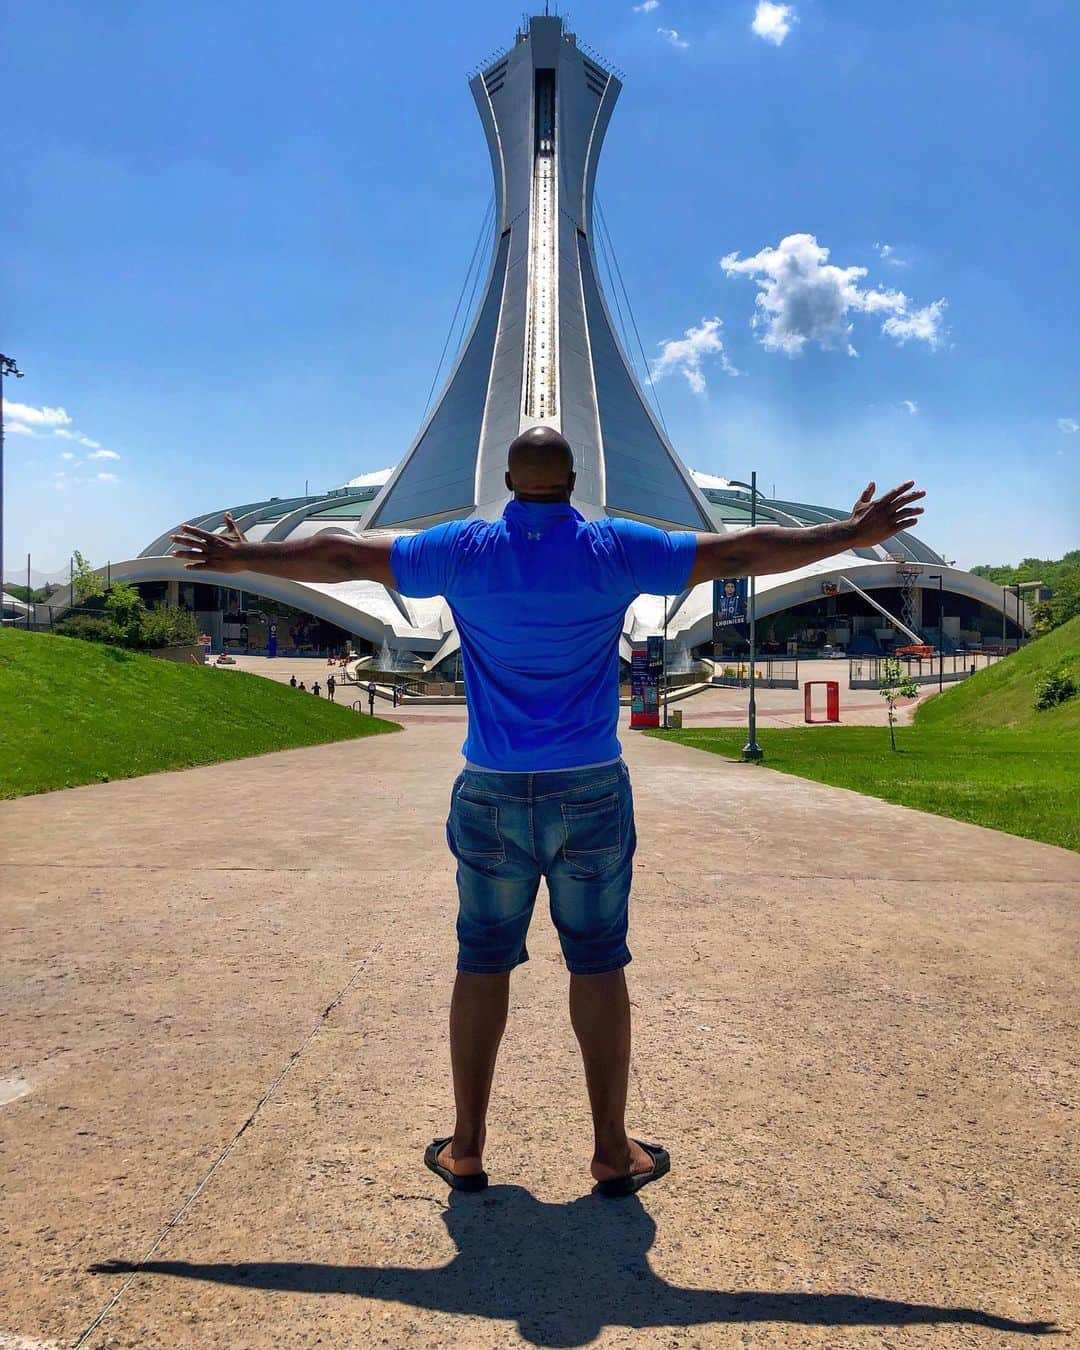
873, 522
209, 552
233, 530
780, 548
325, 557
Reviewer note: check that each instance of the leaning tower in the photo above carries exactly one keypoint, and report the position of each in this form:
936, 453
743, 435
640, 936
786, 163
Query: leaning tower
542, 348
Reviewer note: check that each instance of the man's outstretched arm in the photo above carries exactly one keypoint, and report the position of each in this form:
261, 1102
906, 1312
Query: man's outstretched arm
325, 557
778, 548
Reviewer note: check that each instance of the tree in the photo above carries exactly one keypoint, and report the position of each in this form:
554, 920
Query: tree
896, 684
24, 593
125, 608
1060, 576
87, 582
1065, 602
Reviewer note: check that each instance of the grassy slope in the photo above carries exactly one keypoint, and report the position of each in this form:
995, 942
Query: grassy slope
1002, 695
1006, 780
978, 752
78, 712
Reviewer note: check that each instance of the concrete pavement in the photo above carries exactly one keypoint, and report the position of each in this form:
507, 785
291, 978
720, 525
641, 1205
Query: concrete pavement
222, 1006
710, 707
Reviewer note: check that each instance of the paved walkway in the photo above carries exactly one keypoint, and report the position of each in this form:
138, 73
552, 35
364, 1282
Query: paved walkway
222, 1045
710, 707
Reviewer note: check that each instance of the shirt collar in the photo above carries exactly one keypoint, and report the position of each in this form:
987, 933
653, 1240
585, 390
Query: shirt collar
531, 515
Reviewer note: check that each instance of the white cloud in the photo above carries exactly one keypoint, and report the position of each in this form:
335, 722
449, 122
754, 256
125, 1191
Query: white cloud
671, 35
684, 356
647, 6
1068, 424
773, 22
35, 417
76, 436
107, 478
922, 325
887, 253
23, 420
910, 405
802, 298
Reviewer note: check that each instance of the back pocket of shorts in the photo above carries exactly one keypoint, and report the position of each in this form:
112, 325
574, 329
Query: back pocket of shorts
592, 835
473, 830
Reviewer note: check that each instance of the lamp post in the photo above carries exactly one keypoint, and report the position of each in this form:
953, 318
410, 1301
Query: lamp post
751, 750
663, 665
1019, 627
941, 632
7, 367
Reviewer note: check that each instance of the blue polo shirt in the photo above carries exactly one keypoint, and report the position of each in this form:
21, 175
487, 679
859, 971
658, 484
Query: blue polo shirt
539, 597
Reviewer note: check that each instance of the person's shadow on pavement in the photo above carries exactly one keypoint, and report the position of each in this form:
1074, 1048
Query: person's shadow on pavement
563, 1272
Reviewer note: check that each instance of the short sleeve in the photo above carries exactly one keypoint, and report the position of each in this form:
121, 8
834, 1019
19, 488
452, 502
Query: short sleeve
658, 562
422, 563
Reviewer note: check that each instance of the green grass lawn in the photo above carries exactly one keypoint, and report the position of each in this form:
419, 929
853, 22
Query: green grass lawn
978, 752
1009, 780
1002, 695
79, 712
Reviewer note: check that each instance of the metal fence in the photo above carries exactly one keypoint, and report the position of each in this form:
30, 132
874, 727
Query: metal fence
768, 673
865, 672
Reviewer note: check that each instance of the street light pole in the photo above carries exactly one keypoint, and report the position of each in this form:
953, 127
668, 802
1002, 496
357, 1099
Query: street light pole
751, 750
941, 633
663, 666
1019, 628
7, 367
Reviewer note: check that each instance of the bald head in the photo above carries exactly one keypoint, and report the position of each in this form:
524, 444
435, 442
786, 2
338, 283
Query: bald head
540, 466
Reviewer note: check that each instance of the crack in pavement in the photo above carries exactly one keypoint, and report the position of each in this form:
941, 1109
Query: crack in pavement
739, 874
289, 1064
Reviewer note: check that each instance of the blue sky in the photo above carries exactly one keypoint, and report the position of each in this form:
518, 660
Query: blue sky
234, 235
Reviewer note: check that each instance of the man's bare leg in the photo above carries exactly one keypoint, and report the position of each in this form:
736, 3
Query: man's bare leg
477, 1021
600, 1013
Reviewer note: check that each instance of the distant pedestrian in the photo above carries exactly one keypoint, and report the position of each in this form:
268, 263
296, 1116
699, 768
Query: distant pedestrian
292, 681
393, 696
303, 686
331, 686
315, 689
371, 697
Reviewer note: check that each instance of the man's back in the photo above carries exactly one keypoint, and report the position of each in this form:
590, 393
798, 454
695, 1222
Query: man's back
538, 597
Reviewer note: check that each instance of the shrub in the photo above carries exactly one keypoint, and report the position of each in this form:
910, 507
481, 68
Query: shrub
90, 628
168, 626
1057, 687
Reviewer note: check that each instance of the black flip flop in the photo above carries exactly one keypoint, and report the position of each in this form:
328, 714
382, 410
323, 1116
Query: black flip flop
476, 1182
629, 1184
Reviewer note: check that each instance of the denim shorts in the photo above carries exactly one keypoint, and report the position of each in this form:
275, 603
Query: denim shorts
574, 828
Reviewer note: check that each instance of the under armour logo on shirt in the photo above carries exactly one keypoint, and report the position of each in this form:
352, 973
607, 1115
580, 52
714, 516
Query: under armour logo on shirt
529, 534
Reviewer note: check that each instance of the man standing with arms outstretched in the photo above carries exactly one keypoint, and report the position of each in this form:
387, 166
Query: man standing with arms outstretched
538, 597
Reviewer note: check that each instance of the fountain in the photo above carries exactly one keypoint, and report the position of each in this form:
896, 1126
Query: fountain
678, 659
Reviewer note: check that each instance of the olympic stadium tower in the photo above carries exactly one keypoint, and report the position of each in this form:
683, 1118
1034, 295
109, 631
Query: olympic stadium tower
542, 349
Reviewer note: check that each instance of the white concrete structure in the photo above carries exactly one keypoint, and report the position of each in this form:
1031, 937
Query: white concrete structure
542, 349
